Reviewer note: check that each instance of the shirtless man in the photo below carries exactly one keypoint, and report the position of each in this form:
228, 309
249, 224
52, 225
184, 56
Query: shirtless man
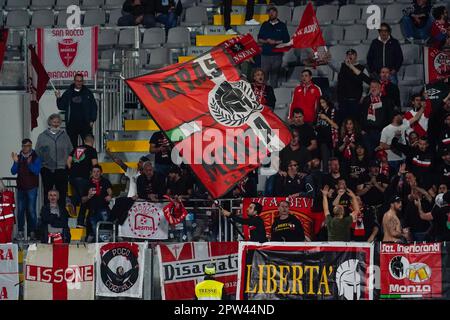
391, 223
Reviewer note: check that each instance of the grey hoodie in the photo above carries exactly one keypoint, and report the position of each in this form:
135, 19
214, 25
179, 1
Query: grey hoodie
53, 149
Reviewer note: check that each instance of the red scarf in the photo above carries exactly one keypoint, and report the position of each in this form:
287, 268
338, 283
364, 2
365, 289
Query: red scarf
55, 237
97, 186
384, 84
174, 212
384, 168
259, 90
371, 111
347, 150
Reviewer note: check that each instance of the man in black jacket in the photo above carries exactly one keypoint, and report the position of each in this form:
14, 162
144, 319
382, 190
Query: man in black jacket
257, 228
136, 12
385, 51
81, 109
286, 227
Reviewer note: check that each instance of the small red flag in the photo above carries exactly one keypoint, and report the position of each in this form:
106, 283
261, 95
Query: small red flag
3, 42
38, 84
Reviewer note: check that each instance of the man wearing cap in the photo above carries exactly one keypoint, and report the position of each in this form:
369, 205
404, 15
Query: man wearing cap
392, 228
209, 289
257, 228
272, 33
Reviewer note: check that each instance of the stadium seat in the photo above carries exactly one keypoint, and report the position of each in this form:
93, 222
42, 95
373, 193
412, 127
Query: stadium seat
42, 18
41, 4
283, 97
126, 38
363, 2
143, 58
207, 3
354, 34
113, 4
405, 93
92, 4
371, 34
413, 75
196, 51
327, 14
178, 37
253, 30
332, 34
2, 18
297, 15
236, 10
282, 113
2, 4
397, 33
195, 17
17, 4
348, 14
411, 54
214, 30
153, 38
338, 54
63, 4
107, 38
94, 17
362, 50
31, 37
325, 71
294, 77
159, 57
188, 3
61, 19
284, 13
114, 15
262, 9
18, 18
381, 2
393, 13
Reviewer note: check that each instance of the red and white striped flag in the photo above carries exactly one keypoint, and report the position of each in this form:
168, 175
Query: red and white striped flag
59, 272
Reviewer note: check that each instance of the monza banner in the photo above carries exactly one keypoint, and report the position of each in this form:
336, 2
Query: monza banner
145, 220
59, 272
9, 272
182, 267
66, 52
301, 208
120, 269
305, 271
418, 270
212, 117
436, 64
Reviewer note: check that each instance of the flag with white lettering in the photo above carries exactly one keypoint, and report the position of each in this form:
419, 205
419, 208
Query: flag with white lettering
59, 272
66, 52
182, 267
9, 272
212, 117
120, 269
436, 64
241, 47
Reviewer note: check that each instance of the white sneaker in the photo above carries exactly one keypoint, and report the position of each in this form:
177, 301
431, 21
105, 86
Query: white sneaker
252, 22
231, 31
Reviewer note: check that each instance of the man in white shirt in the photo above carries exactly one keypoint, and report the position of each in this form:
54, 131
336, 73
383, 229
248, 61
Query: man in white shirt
397, 128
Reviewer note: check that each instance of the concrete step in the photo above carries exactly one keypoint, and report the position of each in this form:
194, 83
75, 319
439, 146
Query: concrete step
140, 125
239, 19
136, 114
128, 146
121, 135
185, 58
125, 156
211, 40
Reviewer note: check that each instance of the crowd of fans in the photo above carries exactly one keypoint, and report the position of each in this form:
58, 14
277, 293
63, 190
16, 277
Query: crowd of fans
377, 173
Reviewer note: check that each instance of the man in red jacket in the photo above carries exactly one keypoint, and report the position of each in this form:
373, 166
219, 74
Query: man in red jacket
306, 97
7, 206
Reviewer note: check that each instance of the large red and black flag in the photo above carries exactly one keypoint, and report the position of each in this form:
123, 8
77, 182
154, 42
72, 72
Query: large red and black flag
212, 117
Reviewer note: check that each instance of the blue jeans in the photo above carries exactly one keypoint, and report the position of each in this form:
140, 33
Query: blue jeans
372, 139
128, 20
162, 170
168, 20
394, 78
26, 201
80, 189
97, 216
411, 31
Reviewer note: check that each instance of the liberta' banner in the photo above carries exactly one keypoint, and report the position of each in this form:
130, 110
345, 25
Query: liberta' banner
59, 272
145, 220
182, 267
412, 270
436, 63
66, 52
299, 207
120, 269
305, 271
9, 272
213, 118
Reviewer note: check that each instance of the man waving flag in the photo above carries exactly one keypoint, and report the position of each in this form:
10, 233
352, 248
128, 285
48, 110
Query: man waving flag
212, 117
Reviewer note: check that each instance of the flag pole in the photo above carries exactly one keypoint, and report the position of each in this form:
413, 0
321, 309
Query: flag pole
53, 86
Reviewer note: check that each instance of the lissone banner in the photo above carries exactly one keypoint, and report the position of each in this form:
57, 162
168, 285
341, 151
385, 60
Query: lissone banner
59, 272
9, 272
66, 52
436, 63
182, 267
419, 270
211, 115
120, 269
145, 220
300, 207
305, 271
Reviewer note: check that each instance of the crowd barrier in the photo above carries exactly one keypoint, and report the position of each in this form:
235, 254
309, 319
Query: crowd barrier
249, 271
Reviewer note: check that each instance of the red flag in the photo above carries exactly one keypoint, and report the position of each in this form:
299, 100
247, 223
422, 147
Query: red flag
3, 42
38, 84
308, 34
436, 63
241, 48
206, 110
